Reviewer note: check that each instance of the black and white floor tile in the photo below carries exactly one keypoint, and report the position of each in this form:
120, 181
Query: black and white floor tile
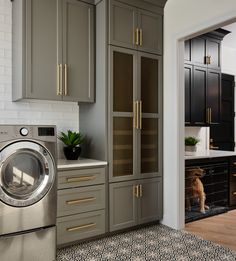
156, 242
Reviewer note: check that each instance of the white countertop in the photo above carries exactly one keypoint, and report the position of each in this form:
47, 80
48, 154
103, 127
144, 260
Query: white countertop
80, 163
211, 154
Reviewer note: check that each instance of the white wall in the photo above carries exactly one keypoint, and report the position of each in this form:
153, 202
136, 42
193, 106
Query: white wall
182, 18
228, 59
63, 114
201, 133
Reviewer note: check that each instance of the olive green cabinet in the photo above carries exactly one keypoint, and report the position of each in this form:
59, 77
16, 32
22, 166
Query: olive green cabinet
134, 28
53, 50
135, 202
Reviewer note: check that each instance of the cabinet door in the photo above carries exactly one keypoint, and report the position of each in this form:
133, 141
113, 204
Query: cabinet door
123, 205
151, 33
41, 51
198, 51
199, 96
187, 50
78, 51
149, 134
122, 25
122, 95
214, 95
150, 201
213, 51
188, 81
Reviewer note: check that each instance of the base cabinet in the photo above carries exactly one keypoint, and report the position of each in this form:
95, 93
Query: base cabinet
81, 204
135, 202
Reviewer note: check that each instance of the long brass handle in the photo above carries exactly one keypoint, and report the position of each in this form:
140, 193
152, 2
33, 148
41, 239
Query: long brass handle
140, 191
135, 191
66, 80
61, 78
71, 229
79, 201
137, 114
140, 37
134, 115
137, 36
209, 59
79, 179
58, 80
140, 115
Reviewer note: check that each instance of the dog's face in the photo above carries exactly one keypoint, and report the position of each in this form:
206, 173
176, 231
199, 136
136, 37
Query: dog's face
195, 173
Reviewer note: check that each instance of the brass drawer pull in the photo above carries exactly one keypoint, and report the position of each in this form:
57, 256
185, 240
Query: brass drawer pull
234, 193
79, 201
140, 115
137, 36
71, 229
65, 78
140, 37
79, 179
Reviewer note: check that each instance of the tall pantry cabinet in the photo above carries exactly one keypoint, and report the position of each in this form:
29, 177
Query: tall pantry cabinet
129, 74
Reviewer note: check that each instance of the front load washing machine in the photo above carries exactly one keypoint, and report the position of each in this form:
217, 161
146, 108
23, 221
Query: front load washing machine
27, 193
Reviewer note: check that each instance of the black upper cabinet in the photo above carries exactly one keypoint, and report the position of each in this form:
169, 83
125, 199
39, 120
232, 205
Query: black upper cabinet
188, 71
198, 97
214, 96
203, 79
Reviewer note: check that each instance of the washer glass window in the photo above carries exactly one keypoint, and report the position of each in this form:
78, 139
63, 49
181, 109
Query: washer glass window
27, 172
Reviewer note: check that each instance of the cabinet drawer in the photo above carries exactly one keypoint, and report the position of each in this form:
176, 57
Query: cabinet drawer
79, 200
79, 178
77, 227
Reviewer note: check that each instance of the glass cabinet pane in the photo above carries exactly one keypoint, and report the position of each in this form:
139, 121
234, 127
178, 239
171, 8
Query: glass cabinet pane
149, 145
122, 146
122, 82
149, 84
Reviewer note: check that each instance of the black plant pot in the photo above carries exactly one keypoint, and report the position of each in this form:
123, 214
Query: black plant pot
72, 153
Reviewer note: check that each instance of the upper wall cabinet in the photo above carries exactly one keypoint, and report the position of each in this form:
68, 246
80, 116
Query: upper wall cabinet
135, 28
53, 50
205, 50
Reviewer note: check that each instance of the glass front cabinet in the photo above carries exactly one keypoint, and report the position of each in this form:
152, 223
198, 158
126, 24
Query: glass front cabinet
135, 114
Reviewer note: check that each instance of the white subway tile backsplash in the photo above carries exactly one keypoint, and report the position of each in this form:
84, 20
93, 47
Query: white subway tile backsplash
65, 115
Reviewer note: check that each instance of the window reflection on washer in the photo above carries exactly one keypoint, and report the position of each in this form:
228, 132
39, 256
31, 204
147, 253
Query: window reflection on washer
27, 193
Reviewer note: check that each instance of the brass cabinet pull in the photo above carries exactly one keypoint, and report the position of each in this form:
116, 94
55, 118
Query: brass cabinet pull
208, 59
135, 191
71, 229
234, 193
79, 179
66, 79
140, 115
137, 36
58, 79
79, 201
140, 191
61, 78
234, 175
140, 37
214, 147
135, 115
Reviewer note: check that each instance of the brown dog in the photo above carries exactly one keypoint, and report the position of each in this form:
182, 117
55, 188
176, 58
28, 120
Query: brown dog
194, 188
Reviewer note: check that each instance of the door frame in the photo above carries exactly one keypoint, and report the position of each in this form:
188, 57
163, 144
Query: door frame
174, 211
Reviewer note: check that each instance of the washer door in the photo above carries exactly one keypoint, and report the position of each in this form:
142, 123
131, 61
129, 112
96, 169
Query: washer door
27, 172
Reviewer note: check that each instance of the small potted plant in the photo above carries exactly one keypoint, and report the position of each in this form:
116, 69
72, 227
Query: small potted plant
72, 141
190, 145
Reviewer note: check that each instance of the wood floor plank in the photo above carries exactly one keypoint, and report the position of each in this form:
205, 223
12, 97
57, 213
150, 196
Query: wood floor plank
220, 229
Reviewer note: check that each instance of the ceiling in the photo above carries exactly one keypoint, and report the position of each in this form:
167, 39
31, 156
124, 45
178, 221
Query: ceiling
230, 39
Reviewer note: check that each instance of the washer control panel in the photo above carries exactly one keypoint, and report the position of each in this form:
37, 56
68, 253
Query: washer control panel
24, 131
